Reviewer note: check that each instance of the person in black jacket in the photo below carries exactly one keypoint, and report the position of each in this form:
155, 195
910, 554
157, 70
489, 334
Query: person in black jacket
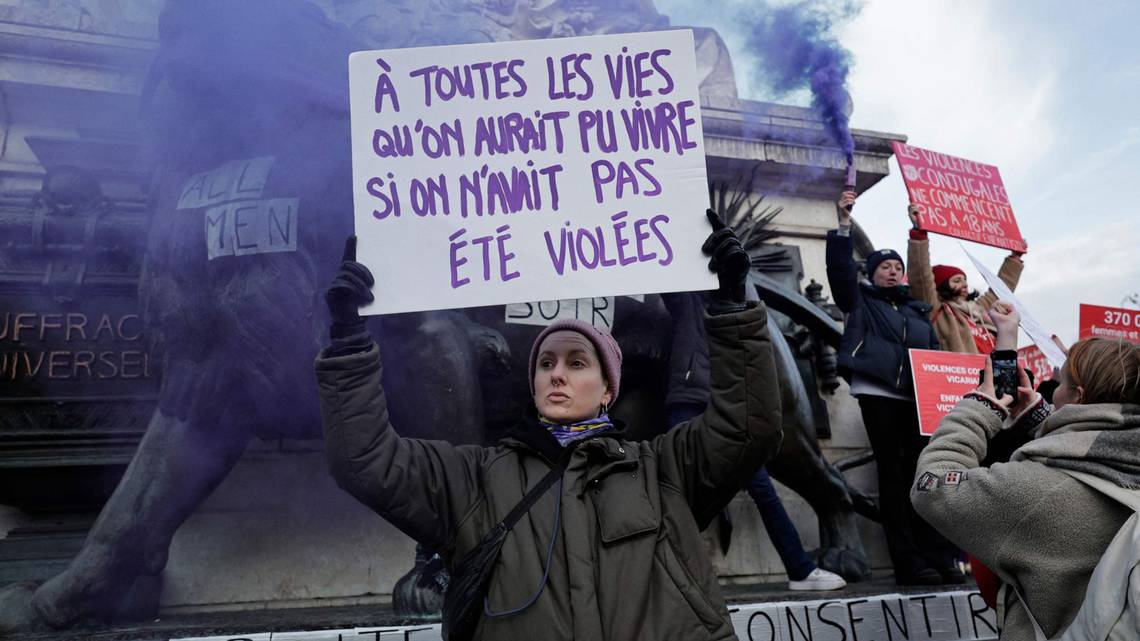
687, 396
882, 323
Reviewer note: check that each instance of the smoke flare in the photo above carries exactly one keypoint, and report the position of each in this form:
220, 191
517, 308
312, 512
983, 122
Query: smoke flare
796, 49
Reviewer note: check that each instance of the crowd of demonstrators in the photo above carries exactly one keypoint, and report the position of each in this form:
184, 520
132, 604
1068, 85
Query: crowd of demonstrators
1043, 520
620, 513
648, 500
996, 471
687, 395
883, 322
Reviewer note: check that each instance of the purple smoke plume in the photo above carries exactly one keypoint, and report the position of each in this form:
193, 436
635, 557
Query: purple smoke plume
796, 49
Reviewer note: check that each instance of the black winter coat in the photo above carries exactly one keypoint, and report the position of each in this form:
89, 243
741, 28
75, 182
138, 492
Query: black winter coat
689, 357
882, 323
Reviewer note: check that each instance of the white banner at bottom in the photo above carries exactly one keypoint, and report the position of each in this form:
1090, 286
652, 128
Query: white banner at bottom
941, 616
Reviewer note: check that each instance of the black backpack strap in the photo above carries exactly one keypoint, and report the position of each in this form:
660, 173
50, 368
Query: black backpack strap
537, 491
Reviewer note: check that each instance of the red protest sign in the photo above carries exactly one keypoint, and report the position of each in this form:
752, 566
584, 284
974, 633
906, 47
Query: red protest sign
1110, 322
959, 197
1034, 360
940, 380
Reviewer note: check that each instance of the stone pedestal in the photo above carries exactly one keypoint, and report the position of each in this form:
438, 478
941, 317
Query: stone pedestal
279, 531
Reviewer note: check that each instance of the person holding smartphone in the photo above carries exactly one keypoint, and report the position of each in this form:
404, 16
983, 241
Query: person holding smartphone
1041, 530
960, 319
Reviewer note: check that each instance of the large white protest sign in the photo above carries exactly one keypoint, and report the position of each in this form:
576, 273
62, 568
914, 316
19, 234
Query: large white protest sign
1037, 333
523, 171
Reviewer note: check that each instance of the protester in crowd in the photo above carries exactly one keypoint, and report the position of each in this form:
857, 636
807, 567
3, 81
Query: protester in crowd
1041, 530
958, 315
882, 323
622, 514
687, 395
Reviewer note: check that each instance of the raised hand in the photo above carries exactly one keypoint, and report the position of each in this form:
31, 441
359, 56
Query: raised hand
1006, 319
844, 206
1004, 314
1019, 254
351, 287
727, 258
914, 212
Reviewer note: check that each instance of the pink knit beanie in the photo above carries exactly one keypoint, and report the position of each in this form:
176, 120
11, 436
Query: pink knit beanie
608, 351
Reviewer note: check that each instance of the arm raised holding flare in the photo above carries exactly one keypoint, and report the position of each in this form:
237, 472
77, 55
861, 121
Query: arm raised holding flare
883, 322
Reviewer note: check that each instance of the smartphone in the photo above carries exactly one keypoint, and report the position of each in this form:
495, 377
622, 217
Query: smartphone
1006, 373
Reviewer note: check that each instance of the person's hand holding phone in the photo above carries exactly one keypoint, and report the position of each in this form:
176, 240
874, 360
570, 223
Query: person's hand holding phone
1015, 400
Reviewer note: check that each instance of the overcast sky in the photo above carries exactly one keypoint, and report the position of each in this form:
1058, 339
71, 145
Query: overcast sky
1048, 91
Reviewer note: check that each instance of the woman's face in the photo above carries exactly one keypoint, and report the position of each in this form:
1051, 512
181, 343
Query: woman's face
1067, 393
888, 274
960, 287
568, 382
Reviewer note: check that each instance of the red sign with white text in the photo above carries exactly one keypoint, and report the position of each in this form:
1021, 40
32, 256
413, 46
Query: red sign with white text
1034, 360
1110, 322
959, 197
940, 380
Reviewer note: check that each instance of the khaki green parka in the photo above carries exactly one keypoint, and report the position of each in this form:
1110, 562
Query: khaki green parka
628, 561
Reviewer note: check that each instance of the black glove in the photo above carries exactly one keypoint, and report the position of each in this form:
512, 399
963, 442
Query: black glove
728, 259
350, 288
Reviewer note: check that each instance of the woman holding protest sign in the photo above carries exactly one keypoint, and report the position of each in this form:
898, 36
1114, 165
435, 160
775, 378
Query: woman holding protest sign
595, 513
882, 323
1045, 520
958, 315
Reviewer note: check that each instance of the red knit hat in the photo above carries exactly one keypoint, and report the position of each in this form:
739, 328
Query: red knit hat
943, 273
608, 351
